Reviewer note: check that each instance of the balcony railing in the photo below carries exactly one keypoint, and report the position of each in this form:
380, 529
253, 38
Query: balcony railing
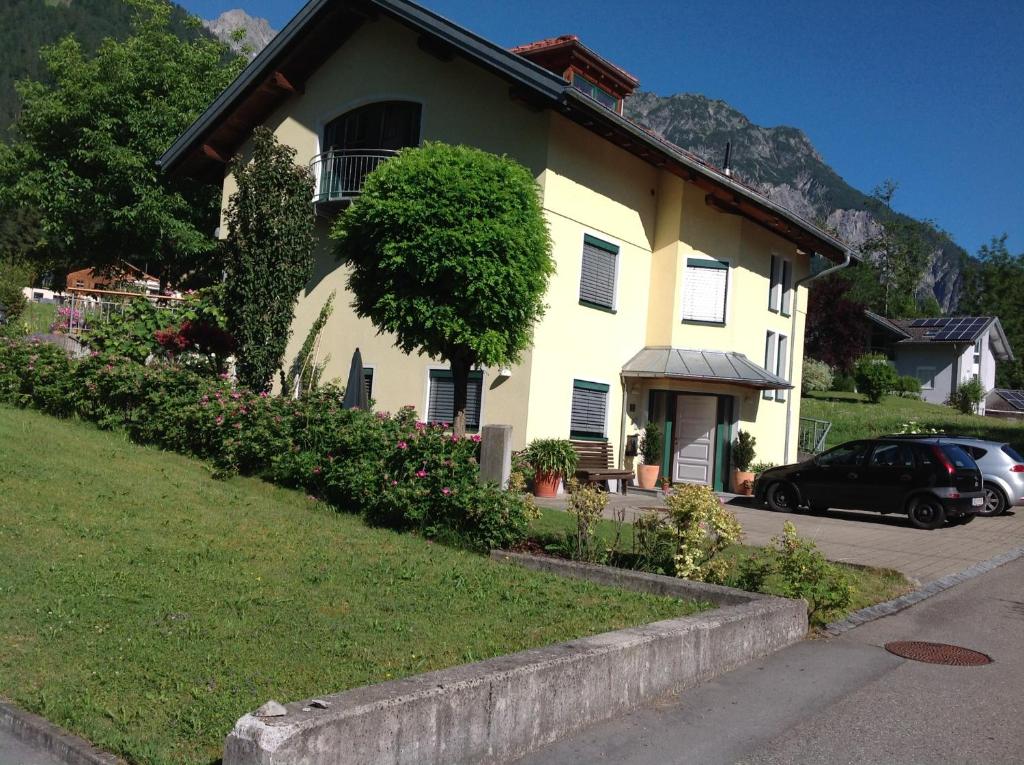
340, 174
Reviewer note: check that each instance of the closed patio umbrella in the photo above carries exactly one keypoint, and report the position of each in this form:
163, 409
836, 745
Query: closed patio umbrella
355, 390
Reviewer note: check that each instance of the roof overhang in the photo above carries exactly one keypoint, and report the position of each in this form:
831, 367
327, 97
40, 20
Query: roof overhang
321, 26
697, 365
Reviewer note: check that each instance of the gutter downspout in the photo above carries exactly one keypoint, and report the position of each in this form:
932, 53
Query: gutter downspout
848, 257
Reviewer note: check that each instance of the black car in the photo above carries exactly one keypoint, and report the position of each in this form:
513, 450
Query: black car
930, 482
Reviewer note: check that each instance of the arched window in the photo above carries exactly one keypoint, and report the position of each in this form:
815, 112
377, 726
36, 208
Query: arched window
355, 143
389, 125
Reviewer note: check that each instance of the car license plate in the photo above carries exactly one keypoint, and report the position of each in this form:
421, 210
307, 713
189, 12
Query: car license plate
978, 501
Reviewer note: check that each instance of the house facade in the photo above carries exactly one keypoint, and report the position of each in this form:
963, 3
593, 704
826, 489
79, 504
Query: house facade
943, 352
678, 292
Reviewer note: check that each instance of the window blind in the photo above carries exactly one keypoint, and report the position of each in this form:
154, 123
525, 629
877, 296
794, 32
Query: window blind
441, 404
589, 409
368, 383
787, 286
774, 284
780, 366
705, 287
597, 276
770, 359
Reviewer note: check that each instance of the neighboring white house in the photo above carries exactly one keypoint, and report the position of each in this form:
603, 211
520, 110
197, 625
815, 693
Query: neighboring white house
943, 352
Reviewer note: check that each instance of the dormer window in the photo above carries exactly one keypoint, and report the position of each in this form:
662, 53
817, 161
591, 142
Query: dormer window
583, 69
595, 91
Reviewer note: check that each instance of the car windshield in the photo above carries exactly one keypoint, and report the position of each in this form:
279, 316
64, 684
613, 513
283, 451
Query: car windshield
1012, 453
958, 456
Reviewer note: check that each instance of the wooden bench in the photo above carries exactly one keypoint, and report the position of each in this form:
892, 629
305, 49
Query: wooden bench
596, 465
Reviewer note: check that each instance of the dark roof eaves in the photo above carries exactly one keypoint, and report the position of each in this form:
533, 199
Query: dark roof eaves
529, 74
677, 154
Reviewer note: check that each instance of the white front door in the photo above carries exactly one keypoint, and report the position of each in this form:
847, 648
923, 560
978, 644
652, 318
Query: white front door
694, 441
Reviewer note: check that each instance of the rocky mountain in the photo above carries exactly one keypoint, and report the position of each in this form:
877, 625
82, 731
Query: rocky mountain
244, 33
783, 163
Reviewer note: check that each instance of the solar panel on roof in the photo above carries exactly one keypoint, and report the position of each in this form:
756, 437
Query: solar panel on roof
1014, 398
961, 328
920, 322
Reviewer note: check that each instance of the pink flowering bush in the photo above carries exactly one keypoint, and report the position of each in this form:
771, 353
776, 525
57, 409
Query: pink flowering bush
393, 469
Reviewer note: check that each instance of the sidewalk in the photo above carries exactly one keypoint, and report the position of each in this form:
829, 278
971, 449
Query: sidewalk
844, 700
867, 539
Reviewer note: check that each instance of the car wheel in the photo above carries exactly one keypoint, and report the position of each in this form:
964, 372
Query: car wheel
995, 502
781, 498
926, 513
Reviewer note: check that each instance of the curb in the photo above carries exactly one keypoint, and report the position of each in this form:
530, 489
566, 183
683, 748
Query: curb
499, 709
896, 605
39, 732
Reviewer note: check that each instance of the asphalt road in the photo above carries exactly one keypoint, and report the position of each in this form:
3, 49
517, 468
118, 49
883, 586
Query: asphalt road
846, 700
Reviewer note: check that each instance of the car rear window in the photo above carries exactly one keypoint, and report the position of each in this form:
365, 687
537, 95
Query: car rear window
1012, 453
976, 452
958, 456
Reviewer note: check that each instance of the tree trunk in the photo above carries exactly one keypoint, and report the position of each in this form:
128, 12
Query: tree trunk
460, 383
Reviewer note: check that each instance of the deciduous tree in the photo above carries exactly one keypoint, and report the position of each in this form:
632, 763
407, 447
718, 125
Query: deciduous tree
450, 252
86, 142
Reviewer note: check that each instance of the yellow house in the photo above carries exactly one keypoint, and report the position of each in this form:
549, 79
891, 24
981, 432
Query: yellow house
679, 291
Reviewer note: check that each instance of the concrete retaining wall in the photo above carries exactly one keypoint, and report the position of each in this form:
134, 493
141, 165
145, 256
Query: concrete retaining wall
495, 710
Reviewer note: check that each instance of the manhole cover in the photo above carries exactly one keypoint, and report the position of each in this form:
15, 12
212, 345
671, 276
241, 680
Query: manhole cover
938, 653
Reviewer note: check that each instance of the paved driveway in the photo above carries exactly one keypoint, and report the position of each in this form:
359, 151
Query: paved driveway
868, 539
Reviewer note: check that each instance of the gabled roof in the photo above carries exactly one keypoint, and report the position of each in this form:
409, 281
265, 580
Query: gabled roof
321, 26
702, 365
939, 330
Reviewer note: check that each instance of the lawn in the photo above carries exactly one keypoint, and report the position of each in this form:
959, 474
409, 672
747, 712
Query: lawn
39, 316
146, 606
853, 416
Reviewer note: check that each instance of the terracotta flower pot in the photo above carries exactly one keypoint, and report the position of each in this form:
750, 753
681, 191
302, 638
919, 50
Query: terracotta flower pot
647, 475
742, 482
546, 484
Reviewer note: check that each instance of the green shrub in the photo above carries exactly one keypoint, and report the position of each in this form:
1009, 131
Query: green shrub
394, 470
909, 386
844, 383
701, 527
651, 445
586, 505
875, 376
967, 397
743, 451
794, 568
131, 332
817, 376
759, 467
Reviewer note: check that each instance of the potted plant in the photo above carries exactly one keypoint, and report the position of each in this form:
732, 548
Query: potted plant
552, 459
650, 451
742, 457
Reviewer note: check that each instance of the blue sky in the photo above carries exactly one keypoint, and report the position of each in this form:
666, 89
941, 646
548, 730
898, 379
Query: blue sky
930, 94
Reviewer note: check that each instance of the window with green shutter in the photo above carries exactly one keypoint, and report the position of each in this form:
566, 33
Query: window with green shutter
589, 410
597, 275
441, 398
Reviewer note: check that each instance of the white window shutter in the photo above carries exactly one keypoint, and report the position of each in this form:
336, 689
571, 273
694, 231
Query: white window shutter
769, 359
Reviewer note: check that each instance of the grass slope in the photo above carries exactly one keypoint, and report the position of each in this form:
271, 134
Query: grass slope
146, 606
853, 416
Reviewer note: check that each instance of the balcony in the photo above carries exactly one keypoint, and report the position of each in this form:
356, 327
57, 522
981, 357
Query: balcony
340, 174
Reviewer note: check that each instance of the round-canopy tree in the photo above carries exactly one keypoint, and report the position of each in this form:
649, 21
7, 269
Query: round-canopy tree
450, 252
